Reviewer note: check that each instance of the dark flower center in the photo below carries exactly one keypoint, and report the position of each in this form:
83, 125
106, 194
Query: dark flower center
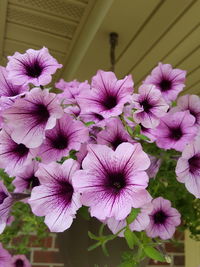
176, 133
21, 150
165, 85
146, 105
160, 217
2, 197
65, 191
98, 116
33, 181
19, 263
116, 142
116, 181
42, 113
110, 101
33, 69
194, 163
60, 142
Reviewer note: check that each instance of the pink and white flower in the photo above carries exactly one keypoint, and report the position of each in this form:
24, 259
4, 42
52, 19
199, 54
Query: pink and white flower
35, 66
149, 105
175, 130
20, 261
107, 96
188, 167
5, 257
163, 219
68, 134
114, 134
168, 80
32, 115
112, 182
56, 198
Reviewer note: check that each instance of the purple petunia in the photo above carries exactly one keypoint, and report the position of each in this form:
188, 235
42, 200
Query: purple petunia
139, 224
32, 115
9, 91
25, 178
35, 66
149, 105
114, 134
112, 182
6, 202
190, 103
188, 167
168, 80
175, 130
154, 166
71, 90
5, 257
20, 261
68, 134
107, 96
13, 155
56, 198
163, 219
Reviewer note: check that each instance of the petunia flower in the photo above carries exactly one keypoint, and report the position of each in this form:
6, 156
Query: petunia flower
66, 135
114, 134
149, 105
71, 90
9, 91
20, 261
168, 80
32, 115
6, 202
107, 96
35, 66
163, 219
13, 156
5, 257
154, 166
188, 167
175, 130
25, 178
148, 132
112, 182
56, 198
139, 224
190, 103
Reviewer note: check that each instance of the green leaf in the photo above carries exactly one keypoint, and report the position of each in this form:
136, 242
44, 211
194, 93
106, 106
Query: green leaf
72, 154
105, 251
129, 130
154, 254
137, 129
132, 216
84, 213
89, 123
129, 236
92, 236
142, 137
94, 246
130, 119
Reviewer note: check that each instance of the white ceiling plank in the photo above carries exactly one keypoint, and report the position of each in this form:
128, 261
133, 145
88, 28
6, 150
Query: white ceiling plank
24, 34
182, 28
153, 31
86, 36
127, 18
3, 12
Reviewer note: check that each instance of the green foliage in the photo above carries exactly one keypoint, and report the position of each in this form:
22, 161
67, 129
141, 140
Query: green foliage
154, 254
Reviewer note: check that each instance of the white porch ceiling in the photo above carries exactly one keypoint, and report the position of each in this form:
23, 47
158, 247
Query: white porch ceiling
76, 33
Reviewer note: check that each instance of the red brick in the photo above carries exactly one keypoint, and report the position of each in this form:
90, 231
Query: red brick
174, 248
47, 257
46, 242
179, 260
179, 235
40, 265
56, 242
152, 262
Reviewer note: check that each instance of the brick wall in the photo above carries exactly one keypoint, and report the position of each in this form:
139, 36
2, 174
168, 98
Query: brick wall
175, 252
49, 257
